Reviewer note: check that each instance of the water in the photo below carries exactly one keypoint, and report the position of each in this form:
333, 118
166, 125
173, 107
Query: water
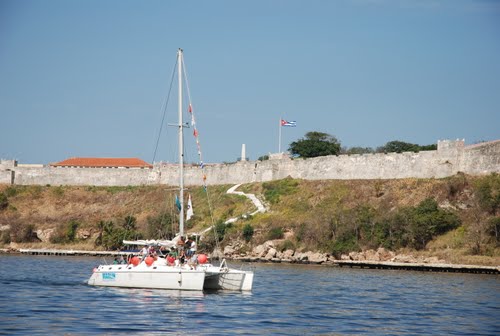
49, 295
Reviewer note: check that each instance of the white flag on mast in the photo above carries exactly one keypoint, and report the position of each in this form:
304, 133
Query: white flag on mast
189, 212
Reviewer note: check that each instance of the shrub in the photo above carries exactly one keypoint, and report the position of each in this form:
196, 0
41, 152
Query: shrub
424, 222
11, 191
456, 184
159, 227
345, 244
494, 228
273, 190
275, 233
4, 202
5, 237
72, 227
220, 230
286, 245
65, 233
248, 232
487, 192
23, 233
58, 191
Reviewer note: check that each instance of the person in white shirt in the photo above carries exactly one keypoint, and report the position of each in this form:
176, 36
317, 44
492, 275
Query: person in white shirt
193, 247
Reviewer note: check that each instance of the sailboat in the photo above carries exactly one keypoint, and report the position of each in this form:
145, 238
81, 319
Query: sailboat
160, 274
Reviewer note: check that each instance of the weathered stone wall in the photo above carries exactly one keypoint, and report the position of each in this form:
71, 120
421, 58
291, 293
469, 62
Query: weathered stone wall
83, 176
7, 171
450, 158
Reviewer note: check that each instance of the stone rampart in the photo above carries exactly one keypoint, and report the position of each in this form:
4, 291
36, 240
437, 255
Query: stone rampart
450, 158
7, 171
84, 176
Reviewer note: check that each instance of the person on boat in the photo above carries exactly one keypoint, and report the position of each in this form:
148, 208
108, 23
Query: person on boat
182, 257
173, 252
144, 251
151, 250
172, 256
180, 244
121, 260
193, 262
187, 247
192, 249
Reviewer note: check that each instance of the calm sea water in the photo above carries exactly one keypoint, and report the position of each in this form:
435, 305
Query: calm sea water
49, 296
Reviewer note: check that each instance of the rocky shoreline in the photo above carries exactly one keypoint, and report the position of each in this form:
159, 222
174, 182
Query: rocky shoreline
267, 252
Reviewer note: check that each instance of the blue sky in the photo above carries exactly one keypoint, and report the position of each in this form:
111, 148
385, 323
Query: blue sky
88, 78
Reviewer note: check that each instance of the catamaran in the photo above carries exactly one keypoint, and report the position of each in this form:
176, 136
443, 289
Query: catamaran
161, 274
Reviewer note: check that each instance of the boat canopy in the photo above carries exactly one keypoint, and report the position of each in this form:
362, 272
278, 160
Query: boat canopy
152, 242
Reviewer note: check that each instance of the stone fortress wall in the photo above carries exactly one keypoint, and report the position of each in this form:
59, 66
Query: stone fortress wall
450, 158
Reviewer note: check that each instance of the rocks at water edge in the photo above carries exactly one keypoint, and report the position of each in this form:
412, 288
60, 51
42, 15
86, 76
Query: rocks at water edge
268, 252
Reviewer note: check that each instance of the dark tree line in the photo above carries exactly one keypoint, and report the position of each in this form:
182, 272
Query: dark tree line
315, 144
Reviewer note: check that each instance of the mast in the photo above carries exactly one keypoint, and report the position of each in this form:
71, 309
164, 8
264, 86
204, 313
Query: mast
181, 145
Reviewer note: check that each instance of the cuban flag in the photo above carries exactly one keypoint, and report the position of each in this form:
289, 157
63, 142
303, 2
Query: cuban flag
285, 123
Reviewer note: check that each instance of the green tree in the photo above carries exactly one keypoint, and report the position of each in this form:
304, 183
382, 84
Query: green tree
397, 146
160, 227
248, 232
315, 144
426, 221
494, 228
23, 233
71, 230
129, 223
358, 150
488, 193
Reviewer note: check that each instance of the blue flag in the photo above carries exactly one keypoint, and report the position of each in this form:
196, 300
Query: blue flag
177, 203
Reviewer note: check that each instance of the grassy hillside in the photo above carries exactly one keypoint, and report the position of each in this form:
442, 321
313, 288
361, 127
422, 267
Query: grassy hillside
329, 216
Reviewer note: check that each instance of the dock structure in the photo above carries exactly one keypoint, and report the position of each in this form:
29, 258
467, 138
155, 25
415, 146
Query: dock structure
451, 268
55, 252
382, 265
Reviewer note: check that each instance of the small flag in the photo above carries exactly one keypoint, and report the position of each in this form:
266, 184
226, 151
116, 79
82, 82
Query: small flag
178, 203
190, 109
189, 212
288, 123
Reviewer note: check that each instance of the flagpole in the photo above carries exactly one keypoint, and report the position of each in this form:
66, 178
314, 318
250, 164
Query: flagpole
279, 143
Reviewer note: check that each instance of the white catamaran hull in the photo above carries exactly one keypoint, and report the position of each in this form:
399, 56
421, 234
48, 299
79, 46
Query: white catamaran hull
143, 276
228, 279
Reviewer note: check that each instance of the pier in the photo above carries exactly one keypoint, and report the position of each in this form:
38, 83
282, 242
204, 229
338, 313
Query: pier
424, 267
54, 252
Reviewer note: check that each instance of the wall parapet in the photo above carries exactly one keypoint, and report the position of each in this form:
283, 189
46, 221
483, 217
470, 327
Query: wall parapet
450, 158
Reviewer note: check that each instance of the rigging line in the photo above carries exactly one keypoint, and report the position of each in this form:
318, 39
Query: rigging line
210, 208
186, 81
203, 173
164, 107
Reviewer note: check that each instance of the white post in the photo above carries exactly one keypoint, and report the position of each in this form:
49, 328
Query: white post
243, 153
181, 145
279, 143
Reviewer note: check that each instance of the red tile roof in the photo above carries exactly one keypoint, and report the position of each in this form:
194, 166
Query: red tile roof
103, 163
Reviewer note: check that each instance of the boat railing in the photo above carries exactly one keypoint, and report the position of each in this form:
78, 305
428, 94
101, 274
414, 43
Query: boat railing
223, 265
